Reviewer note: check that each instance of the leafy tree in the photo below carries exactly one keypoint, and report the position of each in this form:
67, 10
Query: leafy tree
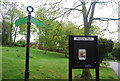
87, 9
3, 12
116, 53
105, 47
68, 29
9, 13
116, 45
5, 33
94, 30
55, 34
88, 17
20, 43
49, 35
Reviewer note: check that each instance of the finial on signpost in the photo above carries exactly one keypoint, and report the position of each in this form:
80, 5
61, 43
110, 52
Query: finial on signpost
30, 9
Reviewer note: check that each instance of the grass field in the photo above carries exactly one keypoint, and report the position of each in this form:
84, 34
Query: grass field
113, 60
42, 66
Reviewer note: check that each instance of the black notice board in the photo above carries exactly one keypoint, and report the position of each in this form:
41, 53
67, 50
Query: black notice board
83, 51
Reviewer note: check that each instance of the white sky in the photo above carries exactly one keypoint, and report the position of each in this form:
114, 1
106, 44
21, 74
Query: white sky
99, 12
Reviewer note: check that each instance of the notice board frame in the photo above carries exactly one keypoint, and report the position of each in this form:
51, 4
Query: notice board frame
71, 52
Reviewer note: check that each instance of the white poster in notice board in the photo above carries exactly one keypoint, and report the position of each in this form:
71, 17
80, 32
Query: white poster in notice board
82, 54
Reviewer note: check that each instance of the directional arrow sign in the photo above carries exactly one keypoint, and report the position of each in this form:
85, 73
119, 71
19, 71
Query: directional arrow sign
33, 20
37, 22
21, 21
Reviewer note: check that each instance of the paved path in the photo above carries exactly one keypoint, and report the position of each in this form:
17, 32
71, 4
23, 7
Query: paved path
116, 67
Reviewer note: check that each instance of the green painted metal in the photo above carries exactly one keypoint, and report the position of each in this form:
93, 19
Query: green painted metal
37, 22
33, 20
21, 21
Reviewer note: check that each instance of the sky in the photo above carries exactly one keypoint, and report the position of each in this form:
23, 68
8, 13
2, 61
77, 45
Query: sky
105, 11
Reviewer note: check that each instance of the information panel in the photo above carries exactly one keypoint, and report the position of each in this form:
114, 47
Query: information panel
83, 51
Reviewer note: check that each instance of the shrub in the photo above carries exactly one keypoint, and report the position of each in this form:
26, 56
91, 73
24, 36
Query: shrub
105, 47
20, 43
116, 53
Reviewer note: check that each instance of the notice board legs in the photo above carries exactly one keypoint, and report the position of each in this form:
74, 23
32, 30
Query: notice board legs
97, 74
83, 54
70, 74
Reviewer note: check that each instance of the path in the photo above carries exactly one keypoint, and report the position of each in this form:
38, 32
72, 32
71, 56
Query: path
116, 67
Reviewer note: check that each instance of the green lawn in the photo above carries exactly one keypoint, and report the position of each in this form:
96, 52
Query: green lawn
113, 60
42, 66
118, 61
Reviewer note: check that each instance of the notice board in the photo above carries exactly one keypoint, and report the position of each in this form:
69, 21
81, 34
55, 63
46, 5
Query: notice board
83, 51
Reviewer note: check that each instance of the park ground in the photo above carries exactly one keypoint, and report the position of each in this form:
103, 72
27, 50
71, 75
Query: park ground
42, 66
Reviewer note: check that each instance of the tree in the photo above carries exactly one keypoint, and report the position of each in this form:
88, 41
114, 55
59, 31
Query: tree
5, 33
57, 36
69, 30
105, 47
9, 13
4, 10
87, 9
116, 53
48, 35
88, 17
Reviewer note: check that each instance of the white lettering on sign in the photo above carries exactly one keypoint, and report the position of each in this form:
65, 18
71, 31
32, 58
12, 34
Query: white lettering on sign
84, 38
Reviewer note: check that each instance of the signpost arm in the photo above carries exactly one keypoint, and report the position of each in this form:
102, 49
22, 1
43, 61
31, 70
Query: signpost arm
27, 46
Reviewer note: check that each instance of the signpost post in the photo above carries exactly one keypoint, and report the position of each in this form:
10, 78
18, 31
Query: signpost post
83, 53
28, 41
28, 20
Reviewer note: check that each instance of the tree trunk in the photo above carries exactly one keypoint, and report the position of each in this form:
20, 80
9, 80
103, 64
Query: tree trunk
10, 43
86, 74
86, 31
4, 40
46, 51
15, 34
11, 28
3, 37
87, 25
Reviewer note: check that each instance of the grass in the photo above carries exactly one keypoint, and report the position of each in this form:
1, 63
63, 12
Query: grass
113, 60
42, 66
118, 61
104, 64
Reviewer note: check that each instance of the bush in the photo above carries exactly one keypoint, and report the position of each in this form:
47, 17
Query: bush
20, 43
33, 46
105, 47
116, 53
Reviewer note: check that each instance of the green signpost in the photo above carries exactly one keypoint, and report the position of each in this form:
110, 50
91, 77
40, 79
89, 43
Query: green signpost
28, 20
21, 21
33, 20
37, 22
